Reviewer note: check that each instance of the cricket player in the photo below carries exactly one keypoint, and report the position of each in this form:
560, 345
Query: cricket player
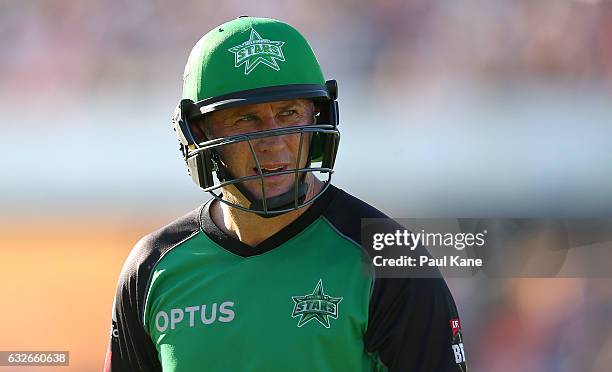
270, 274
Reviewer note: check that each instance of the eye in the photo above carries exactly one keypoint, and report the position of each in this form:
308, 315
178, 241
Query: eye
288, 113
245, 119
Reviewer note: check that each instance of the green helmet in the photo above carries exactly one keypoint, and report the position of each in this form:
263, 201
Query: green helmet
247, 61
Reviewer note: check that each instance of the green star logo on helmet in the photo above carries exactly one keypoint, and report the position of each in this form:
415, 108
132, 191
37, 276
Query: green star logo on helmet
258, 50
317, 305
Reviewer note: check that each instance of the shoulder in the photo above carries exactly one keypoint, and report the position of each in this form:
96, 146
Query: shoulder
139, 265
346, 213
345, 206
154, 245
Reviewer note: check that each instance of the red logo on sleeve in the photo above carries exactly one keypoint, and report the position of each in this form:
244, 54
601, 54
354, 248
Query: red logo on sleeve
455, 326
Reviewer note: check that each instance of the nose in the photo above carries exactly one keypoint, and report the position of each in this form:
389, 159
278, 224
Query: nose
268, 121
271, 143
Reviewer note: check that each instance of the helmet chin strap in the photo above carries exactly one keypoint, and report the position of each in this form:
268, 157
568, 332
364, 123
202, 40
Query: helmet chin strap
285, 200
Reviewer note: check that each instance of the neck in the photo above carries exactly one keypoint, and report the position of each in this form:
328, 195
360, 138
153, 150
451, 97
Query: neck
250, 228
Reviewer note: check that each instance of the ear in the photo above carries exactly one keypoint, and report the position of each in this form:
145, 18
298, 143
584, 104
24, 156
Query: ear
316, 111
197, 128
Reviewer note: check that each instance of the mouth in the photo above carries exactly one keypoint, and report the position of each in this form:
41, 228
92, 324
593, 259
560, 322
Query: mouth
275, 184
270, 168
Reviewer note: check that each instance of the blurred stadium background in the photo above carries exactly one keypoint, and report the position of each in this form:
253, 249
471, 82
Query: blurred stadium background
471, 108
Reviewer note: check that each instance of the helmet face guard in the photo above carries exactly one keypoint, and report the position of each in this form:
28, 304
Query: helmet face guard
202, 156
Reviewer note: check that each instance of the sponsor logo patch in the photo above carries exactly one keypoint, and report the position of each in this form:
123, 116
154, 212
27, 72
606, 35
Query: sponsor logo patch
193, 316
455, 326
457, 343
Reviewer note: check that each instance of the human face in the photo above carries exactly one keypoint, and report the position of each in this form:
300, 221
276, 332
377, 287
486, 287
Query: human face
276, 153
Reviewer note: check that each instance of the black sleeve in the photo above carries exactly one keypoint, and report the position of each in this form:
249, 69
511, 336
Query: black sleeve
130, 347
414, 326
413, 323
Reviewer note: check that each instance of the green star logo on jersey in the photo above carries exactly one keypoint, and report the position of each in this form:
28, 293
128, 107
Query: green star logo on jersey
316, 305
258, 50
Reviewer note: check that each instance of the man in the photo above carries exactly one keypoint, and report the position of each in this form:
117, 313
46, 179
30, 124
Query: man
270, 274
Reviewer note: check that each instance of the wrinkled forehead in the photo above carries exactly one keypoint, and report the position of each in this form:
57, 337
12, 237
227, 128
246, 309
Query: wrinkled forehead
293, 104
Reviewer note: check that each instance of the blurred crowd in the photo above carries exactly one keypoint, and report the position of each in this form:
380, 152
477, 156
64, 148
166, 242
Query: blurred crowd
82, 45
537, 325
52, 51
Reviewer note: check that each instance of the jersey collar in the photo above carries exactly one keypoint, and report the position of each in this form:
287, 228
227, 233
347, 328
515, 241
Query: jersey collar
237, 247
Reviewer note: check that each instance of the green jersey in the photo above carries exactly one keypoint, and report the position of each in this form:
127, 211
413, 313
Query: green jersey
192, 298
